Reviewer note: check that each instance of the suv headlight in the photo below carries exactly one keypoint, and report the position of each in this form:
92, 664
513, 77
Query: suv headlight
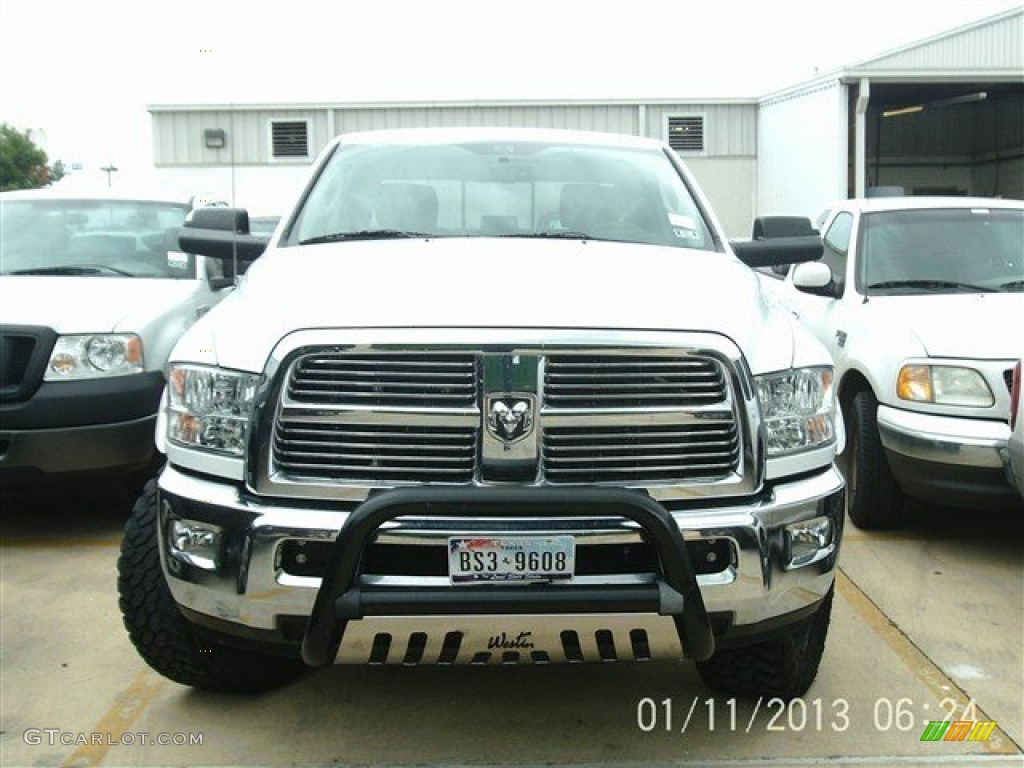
798, 407
944, 385
209, 408
94, 356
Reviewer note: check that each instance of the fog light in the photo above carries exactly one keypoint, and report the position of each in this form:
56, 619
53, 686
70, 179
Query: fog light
195, 543
808, 541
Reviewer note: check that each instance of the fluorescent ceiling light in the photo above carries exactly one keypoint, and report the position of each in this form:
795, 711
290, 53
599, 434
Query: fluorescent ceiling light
903, 111
967, 98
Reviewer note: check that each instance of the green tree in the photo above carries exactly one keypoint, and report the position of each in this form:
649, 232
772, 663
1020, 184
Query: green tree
57, 171
22, 163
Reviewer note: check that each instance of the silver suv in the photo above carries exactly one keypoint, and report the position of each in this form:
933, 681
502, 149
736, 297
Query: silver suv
94, 292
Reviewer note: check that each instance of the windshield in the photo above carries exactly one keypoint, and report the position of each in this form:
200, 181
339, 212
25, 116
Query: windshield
501, 189
942, 250
93, 238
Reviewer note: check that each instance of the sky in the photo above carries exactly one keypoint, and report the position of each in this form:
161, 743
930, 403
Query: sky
79, 74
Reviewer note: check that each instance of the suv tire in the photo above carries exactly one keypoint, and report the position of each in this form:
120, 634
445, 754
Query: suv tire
161, 634
875, 501
783, 667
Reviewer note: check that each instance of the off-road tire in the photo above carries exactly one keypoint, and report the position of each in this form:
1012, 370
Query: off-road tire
875, 501
783, 667
161, 634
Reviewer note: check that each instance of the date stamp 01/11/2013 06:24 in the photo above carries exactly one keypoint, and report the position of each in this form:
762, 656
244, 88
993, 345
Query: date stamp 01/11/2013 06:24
943, 722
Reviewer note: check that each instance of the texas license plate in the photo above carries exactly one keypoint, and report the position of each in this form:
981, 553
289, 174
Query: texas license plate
511, 558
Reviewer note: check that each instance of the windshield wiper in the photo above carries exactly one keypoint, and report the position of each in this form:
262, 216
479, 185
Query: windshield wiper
562, 235
363, 234
931, 285
73, 271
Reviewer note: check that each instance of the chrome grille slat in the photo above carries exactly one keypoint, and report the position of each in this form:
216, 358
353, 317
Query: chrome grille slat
622, 393
587, 362
376, 456
622, 382
307, 394
614, 437
434, 447
377, 362
682, 458
359, 472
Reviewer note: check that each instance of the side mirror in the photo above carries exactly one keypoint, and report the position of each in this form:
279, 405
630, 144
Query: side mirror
816, 279
777, 251
771, 227
221, 233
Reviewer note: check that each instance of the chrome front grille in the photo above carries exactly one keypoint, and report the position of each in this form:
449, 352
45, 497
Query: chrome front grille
385, 380
639, 454
375, 452
673, 420
613, 381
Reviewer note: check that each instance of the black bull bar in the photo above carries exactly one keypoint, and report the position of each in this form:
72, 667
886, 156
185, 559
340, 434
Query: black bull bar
342, 598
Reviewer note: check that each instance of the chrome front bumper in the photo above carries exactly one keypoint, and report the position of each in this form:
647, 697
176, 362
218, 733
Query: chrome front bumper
944, 439
249, 590
947, 460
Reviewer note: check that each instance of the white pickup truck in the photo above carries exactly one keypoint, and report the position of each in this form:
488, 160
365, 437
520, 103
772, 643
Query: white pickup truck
490, 397
921, 303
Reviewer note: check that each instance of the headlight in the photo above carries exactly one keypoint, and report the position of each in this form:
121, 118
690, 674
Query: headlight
798, 407
209, 408
93, 356
944, 385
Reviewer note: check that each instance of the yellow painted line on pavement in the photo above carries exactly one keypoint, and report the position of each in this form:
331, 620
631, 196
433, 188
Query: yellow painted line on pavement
923, 668
129, 704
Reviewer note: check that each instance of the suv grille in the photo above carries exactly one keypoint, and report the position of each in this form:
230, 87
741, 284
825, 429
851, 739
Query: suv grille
24, 351
381, 452
385, 380
608, 381
15, 353
657, 417
640, 454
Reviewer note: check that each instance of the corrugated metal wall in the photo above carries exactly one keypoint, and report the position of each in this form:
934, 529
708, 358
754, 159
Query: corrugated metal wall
802, 150
178, 135
994, 45
614, 118
730, 129
725, 169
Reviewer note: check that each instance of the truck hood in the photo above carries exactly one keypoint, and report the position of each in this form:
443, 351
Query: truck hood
982, 326
490, 283
88, 304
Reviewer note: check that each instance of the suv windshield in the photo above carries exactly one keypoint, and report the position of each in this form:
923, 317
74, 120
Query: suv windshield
942, 251
93, 238
501, 189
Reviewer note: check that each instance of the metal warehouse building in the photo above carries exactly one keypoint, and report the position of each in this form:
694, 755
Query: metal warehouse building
943, 115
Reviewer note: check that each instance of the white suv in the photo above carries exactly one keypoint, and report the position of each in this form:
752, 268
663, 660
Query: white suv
491, 396
920, 302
